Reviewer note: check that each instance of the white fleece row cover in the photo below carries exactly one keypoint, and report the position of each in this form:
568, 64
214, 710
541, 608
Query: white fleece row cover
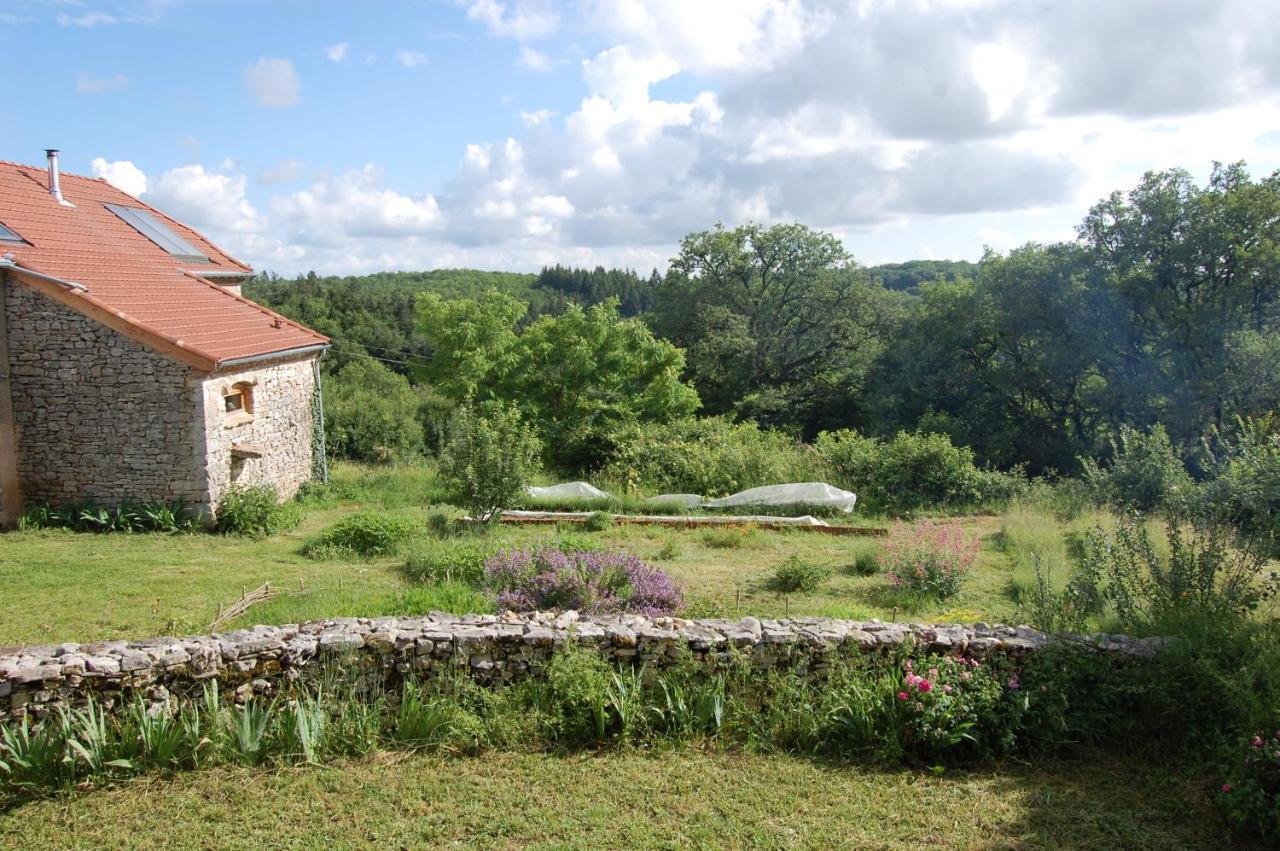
568, 490
796, 493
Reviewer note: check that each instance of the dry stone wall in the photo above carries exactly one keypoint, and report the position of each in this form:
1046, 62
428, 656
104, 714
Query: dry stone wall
493, 649
98, 417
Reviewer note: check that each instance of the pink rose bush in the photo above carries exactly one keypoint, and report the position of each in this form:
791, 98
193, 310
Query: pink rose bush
929, 558
1251, 800
946, 706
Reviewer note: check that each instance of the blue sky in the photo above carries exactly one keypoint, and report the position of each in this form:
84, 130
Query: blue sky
352, 137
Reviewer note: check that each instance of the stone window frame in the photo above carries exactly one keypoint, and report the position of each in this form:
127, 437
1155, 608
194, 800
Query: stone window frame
244, 413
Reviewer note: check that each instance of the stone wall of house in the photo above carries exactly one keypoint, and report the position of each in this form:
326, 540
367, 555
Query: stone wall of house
279, 427
98, 417
491, 648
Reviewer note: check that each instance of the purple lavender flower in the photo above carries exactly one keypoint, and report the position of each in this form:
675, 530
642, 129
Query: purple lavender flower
590, 582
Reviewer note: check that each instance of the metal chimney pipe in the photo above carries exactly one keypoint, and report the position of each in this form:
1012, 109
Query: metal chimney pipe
55, 187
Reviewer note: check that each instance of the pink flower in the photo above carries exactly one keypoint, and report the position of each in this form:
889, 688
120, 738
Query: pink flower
1013, 682
946, 689
1226, 787
1257, 741
908, 667
902, 695
924, 685
933, 673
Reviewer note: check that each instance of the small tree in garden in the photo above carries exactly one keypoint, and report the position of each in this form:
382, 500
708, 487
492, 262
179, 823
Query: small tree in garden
929, 558
489, 458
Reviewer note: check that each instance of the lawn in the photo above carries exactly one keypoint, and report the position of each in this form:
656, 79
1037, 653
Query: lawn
627, 799
66, 586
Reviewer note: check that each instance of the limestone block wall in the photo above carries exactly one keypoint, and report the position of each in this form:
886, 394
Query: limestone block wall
97, 416
491, 648
280, 426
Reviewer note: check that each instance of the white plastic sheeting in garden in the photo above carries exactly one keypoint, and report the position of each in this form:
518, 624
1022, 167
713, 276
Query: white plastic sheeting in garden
568, 490
796, 493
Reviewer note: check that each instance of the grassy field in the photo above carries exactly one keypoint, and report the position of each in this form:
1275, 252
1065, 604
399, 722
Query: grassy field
627, 799
66, 586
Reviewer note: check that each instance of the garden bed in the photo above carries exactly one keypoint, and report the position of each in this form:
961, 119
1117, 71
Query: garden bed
690, 521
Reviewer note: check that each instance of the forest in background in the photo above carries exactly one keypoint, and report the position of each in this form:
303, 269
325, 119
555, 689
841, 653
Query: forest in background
1160, 317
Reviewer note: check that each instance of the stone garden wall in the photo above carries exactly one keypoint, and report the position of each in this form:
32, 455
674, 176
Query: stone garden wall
494, 649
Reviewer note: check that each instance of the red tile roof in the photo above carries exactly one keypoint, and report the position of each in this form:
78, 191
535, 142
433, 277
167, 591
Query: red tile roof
130, 279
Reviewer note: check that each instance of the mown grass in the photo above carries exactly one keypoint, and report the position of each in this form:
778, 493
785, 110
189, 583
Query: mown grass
64, 586
682, 798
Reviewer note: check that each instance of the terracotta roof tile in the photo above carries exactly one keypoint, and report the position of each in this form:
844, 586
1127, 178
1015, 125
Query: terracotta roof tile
127, 274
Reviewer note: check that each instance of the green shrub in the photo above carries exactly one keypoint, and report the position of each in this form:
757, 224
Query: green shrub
866, 562
797, 574
712, 456
365, 534
1245, 490
597, 521
911, 472
370, 414
254, 510
1203, 577
489, 458
456, 561
1145, 473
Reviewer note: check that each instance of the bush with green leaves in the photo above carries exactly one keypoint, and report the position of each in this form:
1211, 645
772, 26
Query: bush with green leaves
490, 457
255, 510
367, 534
711, 456
911, 472
797, 574
371, 414
866, 561
1203, 576
1144, 474
1245, 489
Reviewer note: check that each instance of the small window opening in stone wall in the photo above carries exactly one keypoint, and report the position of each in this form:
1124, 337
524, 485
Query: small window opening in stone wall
238, 401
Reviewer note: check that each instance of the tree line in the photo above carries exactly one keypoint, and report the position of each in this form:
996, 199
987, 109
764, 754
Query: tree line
1163, 311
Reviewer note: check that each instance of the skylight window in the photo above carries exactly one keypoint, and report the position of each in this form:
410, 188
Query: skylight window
158, 232
7, 235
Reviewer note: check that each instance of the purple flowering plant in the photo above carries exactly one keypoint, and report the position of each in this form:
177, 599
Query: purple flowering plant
590, 582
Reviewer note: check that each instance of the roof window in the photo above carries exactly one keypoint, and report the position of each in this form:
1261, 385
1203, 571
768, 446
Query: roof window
153, 229
7, 235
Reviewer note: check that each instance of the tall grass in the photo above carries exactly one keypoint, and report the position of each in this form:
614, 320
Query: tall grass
1031, 538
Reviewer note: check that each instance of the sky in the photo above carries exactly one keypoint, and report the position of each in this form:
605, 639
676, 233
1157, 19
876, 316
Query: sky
352, 137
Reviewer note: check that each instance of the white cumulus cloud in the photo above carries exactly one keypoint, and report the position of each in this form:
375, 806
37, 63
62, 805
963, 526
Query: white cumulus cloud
121, 174
273, 82
337, 52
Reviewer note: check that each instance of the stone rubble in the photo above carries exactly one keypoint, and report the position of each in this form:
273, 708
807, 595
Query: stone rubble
492, 648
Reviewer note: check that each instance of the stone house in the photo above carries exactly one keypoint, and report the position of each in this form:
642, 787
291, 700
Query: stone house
131, 368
